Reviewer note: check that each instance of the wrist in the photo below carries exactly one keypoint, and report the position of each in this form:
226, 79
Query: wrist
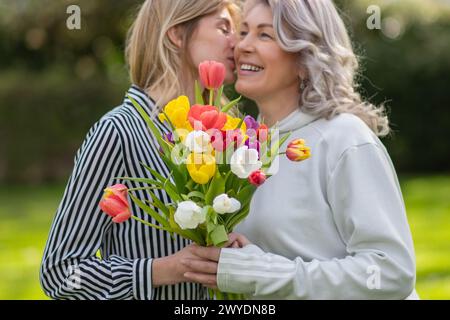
162, 272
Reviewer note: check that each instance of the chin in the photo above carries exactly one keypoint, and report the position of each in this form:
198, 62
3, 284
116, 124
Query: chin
245, 90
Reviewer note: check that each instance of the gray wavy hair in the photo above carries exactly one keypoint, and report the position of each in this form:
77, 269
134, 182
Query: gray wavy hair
314, 30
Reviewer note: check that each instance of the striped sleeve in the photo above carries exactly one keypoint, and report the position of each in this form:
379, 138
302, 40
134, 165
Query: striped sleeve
70, 268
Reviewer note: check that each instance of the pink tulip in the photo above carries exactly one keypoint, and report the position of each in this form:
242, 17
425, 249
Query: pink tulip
115, 204
212, 74
257, 178
262, 133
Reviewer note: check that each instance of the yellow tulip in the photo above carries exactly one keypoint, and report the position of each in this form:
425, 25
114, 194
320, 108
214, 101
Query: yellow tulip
232, 124
177, 112
201, 167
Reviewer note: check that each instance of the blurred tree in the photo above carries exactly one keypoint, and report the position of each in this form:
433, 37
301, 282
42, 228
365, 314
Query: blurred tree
55, 82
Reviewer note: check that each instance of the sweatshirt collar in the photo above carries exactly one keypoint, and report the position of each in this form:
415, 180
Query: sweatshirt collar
294, 121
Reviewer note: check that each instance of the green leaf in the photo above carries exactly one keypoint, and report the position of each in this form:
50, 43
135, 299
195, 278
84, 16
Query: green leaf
196, 194
216, 187
198, 94
231, 105
151, 125
172, 127
159, 204
245, 194
144, 180
155, 215
151, 224
168, 186
219, 236
278, 144
235, 218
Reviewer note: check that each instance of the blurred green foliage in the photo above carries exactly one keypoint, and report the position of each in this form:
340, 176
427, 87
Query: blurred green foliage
27, 213
55, 83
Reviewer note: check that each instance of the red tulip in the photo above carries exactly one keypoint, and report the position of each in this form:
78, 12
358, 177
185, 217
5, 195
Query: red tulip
115, 204
212, 74
209, 117
257, 178
297, 151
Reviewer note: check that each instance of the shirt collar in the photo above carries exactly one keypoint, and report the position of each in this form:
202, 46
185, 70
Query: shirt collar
142, 98
147, 103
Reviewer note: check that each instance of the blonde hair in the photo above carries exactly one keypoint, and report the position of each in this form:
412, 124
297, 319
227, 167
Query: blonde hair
314, 29
154, 62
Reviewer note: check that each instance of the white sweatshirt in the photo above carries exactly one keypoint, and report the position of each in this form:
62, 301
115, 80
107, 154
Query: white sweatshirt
331, 227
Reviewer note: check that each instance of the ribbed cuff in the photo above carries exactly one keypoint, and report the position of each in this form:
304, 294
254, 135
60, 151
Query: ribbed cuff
142, 279
228, 268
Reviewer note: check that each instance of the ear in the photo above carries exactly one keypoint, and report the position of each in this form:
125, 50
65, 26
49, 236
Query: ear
175, 36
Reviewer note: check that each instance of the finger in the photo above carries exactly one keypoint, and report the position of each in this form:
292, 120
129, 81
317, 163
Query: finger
235, 245
205, 279
200, 265
210, 253
232, 237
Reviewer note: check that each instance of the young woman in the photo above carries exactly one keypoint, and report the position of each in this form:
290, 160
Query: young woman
334, 226
167, 41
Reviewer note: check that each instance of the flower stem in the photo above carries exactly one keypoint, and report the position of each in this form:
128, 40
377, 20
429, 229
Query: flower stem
211, 97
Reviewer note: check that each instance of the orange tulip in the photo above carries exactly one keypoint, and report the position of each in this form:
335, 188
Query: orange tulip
115, 204
212, 74
206, 117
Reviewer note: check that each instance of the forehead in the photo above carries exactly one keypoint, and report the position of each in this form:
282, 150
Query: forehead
256, 12
222, 15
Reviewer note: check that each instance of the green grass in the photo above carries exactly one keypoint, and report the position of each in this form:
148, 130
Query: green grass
26, 214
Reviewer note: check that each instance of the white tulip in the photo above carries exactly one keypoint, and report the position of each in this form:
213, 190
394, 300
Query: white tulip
197, 141
189, 215
223, 204
244, 161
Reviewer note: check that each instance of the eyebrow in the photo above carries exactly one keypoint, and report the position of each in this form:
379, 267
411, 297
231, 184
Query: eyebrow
260, 26
225, 20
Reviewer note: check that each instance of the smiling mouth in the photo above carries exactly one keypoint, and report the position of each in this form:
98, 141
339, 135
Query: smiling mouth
250, 67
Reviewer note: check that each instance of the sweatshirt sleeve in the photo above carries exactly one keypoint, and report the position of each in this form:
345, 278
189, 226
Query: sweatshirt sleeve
369, 213
70, 268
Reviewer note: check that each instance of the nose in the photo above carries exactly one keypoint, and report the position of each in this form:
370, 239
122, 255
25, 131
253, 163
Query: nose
244, 45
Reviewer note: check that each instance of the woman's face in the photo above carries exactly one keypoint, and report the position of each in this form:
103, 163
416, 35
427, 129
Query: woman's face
215, 39
263, 68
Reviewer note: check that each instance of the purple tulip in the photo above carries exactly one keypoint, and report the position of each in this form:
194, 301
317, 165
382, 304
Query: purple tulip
251, 123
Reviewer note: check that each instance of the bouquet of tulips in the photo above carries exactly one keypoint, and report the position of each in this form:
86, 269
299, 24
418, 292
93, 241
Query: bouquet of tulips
216, 162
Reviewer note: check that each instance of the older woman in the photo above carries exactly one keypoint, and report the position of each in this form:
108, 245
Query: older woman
335, 226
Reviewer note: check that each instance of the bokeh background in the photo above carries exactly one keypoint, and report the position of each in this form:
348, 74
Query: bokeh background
55, 83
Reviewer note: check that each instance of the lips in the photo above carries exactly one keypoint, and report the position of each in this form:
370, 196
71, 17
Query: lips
232, 63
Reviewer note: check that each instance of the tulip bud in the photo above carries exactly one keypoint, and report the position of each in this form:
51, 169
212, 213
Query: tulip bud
257, 178
297, 151
212, 74
223, 204
262, 133
115, 204
189, 215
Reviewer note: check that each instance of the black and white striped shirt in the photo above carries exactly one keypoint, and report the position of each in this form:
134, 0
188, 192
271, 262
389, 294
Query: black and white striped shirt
114, 147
